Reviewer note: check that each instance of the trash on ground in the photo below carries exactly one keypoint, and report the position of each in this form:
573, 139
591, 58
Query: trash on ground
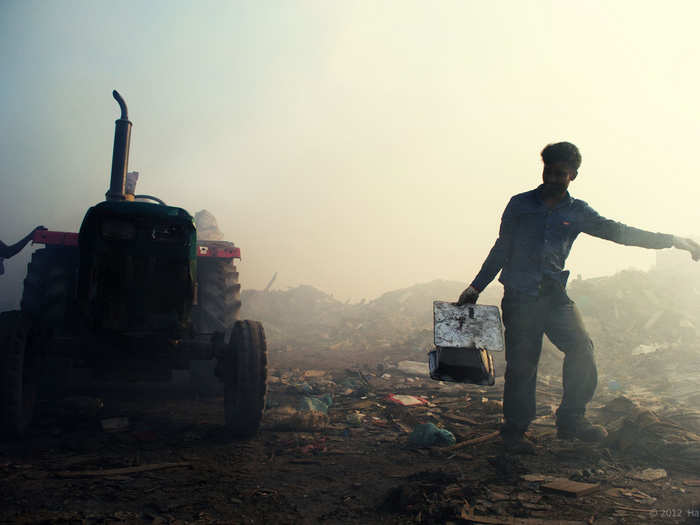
406, 400
493, 406
417, 368
428, 435
649, 474
355, 418
476, 441
570, 488
288, 419
316, 403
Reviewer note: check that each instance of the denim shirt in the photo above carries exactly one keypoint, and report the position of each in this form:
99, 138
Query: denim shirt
535, 240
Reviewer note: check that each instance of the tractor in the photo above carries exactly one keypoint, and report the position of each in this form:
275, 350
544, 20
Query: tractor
131, 297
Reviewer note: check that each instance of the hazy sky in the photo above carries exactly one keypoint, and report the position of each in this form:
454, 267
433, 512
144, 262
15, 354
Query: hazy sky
355, 146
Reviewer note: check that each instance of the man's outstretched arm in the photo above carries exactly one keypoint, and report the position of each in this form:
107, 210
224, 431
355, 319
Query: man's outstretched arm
10, 251
598, 226
494, 261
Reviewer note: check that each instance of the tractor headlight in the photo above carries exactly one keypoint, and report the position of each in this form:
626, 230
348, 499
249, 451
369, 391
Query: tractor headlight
118, 230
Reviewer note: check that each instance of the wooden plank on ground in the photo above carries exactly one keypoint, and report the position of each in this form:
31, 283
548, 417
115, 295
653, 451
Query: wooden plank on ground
570, 488
119, 471
476, 441
507, 520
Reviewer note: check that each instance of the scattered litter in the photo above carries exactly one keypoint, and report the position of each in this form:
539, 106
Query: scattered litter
417, 368
646, 435
355, 418
301, 388
428, 435
476, 441
407, 401
506, 520
314, 373
316, 404
314, 448
493, 406
649, 474
645, 349
638, 496
537, 478
376, 404
621, 405
570, 488
287, 419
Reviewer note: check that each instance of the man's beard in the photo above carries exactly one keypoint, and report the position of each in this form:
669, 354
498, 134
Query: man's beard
551, 189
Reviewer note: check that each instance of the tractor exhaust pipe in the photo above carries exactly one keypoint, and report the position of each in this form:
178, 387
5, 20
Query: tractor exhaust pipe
120, 152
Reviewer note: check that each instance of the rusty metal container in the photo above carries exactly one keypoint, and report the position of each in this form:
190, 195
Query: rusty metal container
464, 336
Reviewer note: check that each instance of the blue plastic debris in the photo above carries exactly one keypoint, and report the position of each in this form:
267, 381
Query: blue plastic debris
428, 435
316, 403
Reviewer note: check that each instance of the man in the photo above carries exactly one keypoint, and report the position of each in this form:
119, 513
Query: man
537, 231
10, 251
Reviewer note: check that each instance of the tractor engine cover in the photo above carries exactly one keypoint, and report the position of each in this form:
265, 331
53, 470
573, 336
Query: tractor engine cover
137, 267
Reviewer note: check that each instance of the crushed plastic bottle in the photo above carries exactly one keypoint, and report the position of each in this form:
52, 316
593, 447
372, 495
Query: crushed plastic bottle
428, 435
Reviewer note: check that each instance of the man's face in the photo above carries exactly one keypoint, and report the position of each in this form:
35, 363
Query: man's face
556, 178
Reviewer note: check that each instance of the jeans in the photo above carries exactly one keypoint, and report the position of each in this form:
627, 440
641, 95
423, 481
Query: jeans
526, 318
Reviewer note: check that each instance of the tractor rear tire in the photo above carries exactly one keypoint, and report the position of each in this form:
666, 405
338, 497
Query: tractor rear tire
218, 308
49, 300
219, 296
49, 293
245, 378
19, 373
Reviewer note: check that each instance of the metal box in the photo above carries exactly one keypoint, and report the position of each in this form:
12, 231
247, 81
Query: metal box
463, 337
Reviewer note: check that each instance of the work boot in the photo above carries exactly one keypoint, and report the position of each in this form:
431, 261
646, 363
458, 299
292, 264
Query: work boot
515, 442
582, 429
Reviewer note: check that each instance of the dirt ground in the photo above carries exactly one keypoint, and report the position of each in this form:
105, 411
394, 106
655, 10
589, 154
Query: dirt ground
353, 465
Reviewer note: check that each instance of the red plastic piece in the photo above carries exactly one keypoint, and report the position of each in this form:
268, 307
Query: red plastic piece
220, 252
55, 238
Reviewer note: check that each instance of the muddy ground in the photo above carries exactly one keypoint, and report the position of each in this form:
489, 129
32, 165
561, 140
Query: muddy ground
354, 465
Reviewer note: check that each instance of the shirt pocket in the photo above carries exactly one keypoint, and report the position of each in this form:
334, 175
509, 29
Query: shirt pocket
563, 229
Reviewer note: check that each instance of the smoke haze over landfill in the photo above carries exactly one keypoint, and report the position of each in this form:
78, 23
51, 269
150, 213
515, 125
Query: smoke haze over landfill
358, 147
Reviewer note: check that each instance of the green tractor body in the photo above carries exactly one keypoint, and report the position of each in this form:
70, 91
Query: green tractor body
138, 268
132, 297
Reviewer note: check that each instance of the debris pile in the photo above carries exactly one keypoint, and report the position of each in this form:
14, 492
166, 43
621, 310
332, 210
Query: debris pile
396, 326
643, 325
365, 444
452, 430
659, 440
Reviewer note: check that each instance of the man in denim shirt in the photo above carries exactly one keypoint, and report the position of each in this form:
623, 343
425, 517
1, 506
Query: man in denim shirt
537, 231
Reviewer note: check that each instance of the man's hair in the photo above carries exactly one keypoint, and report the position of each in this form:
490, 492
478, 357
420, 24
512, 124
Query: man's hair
562, 152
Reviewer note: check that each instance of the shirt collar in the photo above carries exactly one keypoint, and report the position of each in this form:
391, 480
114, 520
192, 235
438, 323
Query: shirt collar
564, 202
